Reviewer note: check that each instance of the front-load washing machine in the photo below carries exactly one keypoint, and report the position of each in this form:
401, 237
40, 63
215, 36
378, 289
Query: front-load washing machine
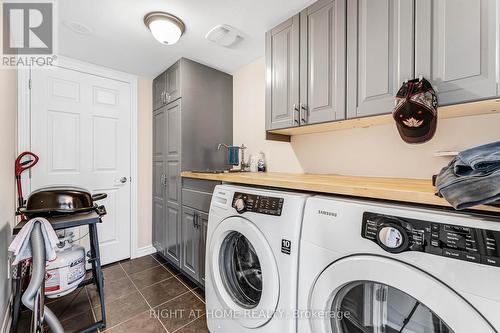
252, 260
388, 268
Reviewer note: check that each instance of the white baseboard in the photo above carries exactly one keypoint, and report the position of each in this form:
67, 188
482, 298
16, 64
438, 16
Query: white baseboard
7, 318
143, 251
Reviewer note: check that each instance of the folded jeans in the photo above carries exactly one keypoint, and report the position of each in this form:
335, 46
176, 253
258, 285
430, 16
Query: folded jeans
465, 191
485, 158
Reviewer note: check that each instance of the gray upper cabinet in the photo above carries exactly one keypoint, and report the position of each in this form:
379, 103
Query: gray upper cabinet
379, 54
282, 86
456, 48
354, 56
173, 82
159, 86
173, 115
322, 62
173, 131
159, 131
306, 65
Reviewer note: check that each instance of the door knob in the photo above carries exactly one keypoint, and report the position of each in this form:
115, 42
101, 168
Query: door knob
123, 180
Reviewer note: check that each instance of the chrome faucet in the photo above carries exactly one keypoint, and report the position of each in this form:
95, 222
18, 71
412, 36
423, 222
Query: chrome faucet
222, 145
243, 166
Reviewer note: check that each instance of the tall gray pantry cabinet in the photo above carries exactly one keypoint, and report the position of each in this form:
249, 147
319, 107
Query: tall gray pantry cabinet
192, 114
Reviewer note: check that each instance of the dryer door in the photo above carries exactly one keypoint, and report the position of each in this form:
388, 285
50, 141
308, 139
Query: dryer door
371, 294
245, 272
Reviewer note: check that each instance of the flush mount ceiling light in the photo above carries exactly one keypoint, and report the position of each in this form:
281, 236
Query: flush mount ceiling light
165, 27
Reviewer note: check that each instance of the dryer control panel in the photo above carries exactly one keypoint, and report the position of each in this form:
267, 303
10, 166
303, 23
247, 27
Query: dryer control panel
397, 234
244, 202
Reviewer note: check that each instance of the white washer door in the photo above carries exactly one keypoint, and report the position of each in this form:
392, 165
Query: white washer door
244, 271
375, 294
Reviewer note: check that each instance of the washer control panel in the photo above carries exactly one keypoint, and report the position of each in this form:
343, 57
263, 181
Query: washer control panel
244, 202
396, 234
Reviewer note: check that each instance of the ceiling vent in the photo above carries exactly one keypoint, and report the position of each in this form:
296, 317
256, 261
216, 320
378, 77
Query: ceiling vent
224, 35
77, 27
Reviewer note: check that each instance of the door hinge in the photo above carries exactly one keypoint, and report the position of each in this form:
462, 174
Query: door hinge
29, 84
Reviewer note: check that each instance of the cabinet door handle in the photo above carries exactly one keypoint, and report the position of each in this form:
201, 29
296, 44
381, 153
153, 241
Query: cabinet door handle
303, 115
295, 112
195, 220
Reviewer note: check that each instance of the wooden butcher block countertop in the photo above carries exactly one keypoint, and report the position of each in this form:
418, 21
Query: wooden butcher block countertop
419, 191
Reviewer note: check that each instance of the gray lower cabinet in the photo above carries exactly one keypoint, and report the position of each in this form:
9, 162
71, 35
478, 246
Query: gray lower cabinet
196, 197
379, 54
194, 233
203, 222
456, 48
322, 62
172, 233
190, 243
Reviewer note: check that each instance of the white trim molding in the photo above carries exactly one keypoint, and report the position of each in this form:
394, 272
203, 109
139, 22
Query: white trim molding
7, 319
24, 127
144, 251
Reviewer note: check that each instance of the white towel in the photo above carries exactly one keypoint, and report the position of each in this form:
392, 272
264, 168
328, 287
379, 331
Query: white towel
21, 245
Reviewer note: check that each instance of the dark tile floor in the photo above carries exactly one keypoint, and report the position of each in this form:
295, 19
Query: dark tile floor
141, 295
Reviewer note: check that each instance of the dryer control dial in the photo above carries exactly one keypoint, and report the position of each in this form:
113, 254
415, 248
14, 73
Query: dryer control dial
240, 205
392, 238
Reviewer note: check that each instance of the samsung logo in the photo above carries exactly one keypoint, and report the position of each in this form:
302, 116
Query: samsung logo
327, 213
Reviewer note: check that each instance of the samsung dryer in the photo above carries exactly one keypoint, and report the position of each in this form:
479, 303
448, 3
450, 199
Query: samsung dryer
369, 267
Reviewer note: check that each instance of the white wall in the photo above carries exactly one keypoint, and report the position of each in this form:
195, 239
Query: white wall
8, 111
374, 151
249, 119
145, 159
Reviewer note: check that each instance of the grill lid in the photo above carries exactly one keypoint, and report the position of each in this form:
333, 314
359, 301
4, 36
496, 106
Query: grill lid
57, 200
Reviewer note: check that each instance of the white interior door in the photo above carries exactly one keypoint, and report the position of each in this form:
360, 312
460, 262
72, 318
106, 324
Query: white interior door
80, 128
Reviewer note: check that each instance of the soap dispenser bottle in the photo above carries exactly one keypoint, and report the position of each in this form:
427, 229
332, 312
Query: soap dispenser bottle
261, 165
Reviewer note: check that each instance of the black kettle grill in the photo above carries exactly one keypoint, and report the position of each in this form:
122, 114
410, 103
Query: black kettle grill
61, 200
